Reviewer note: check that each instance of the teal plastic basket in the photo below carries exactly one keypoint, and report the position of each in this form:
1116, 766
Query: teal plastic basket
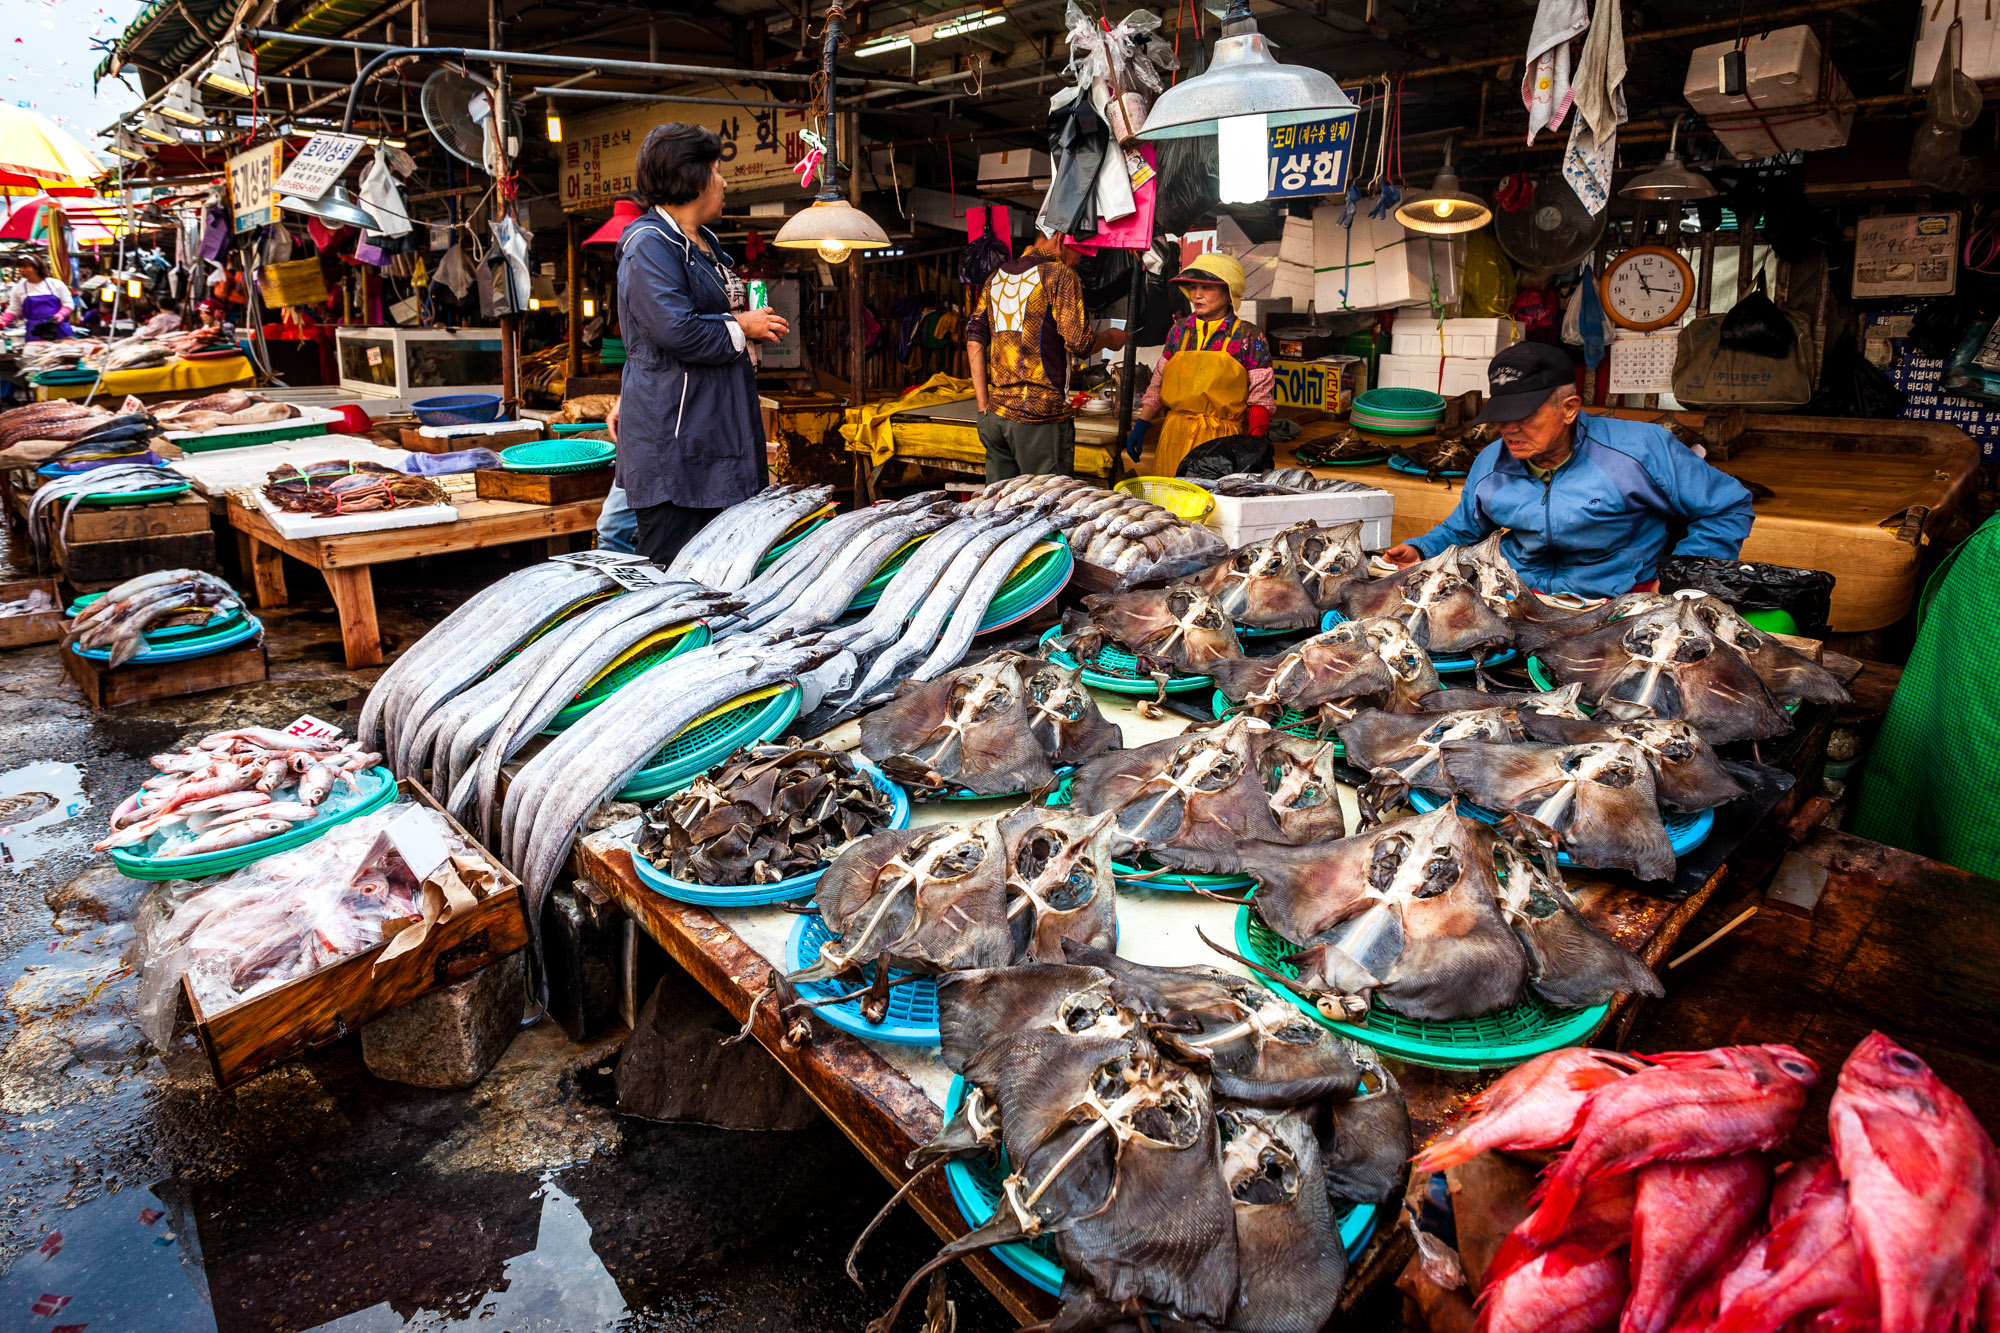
1498, 1040
1398, 402
166, 633
378, 789
795, 534
272, 434
147, 496
559, 429
1291, 721
758, 717
693, 635
1116, 670
554, 456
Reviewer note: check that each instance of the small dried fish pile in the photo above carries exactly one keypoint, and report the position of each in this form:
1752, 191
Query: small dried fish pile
1133, 538
120, 618
1682, 657
294, 912
1192, 800
1442, 607
955, 896
1670, 1207
1262, 585
771, 812
233, 788
1411, 914
1447, 452
1349, 446
48, 524
724, 554
1280, 481
1178, 631
997, 727
338, 486
1187, 1144
1331, 676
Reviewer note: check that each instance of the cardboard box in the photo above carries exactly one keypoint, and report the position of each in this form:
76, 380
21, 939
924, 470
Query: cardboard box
1240, 519
323, 1006
1014, 166
1782, 70
1326, 384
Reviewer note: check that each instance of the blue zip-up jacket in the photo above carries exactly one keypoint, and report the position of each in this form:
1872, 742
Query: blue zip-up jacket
1600, 524
689, 428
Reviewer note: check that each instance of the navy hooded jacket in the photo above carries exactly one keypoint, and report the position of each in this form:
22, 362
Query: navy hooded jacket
689, 428
1600, 524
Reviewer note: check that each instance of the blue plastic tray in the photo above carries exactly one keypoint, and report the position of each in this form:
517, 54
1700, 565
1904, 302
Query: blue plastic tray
975, 1188
1398, 463
762, 895
187, 649
912, 1019
1684, 832
1445, 665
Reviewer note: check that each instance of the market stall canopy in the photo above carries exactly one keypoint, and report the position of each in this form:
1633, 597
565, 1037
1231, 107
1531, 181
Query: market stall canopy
37, 155
91, 221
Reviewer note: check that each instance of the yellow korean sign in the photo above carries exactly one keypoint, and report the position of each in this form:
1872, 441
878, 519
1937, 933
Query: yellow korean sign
253, 178
600, 152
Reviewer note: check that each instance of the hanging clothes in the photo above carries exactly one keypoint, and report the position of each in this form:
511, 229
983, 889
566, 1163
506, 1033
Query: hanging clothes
381, 196
1078, 142
1545, 82
1600, 109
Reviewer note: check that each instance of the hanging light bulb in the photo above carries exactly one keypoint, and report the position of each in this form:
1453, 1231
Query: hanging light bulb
1670, 182
1242, 155
134, 288
183, 104
589, 308
833, 252
126, 144
1444, 209
108, 293
830, 224
234, 71
555, 122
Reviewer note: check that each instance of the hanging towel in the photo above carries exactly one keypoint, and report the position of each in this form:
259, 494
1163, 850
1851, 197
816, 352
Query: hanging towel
1600, 109
1545, 84
380, 196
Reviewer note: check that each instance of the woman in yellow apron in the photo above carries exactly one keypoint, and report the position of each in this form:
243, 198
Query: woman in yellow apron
1214, 378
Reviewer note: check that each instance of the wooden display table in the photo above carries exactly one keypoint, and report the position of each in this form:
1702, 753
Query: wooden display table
345, 560
887, 1099
1858, 499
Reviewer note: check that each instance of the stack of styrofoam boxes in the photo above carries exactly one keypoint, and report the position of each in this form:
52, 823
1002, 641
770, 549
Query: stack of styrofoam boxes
1781, 77
1273, 271
1376, 264
1448, 358
1242, 519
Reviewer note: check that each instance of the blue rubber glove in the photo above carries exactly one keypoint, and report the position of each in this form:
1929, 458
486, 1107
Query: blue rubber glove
1137, 439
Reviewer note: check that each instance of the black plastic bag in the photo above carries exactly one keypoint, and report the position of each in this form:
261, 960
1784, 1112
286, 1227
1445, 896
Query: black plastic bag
1756, 325
1190, 188
1850, 386
1805, 593
1229, 453
1078, 140
1160, 302
982, 258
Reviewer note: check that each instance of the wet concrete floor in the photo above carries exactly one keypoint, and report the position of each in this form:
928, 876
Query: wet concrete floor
134, 1195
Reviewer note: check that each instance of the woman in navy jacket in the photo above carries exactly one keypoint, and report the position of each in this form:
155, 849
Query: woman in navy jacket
690, 435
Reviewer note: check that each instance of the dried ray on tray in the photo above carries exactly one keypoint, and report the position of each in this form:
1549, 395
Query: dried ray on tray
1196, 795
1439, 604
1181, 630
1331, 675
1328, 559
967, 729
1598, 797
1261, 585
1411, 743
1571, 963
1686, 772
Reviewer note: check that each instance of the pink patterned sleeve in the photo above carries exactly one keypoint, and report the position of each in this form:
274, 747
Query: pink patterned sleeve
1150, 407
1263, 387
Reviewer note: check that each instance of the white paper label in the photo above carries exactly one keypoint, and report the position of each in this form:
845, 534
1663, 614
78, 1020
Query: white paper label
309, 727
374, 356
319, 164
417, 839
630, 572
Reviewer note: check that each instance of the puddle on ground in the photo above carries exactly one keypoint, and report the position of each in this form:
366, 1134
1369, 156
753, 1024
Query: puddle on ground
33, 800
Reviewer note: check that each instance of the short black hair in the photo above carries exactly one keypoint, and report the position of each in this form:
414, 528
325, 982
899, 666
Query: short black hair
34, 262
675, 163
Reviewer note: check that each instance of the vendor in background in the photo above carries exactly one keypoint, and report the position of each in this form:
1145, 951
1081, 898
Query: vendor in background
693, 442
215, 315
1026, 328
1214, 378
1588, 501
41, 302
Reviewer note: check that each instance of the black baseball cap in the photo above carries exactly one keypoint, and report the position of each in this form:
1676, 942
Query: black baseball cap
1521, 378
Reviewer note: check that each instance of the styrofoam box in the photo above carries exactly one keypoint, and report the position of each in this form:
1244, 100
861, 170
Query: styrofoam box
1295, 246
1242, 519
1015, 164
1459, 374
1478, 338
1781, 70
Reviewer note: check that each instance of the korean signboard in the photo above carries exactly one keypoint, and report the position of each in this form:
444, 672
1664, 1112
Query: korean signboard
319, 164
1311, 158
253, 180
601, 152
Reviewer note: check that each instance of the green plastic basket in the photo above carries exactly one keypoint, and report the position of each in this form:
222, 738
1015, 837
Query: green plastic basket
552, 456
272, 434
167, 633
147, 496
1399, 402
655, 650
1292, 721
1497, 1040
1116, 670
559, 429
758, 716
138, 866
795, 534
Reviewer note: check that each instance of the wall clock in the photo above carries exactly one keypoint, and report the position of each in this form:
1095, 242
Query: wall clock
1647, 287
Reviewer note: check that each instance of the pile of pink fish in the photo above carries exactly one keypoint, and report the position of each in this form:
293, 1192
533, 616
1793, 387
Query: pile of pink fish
234, 788
1671, 1212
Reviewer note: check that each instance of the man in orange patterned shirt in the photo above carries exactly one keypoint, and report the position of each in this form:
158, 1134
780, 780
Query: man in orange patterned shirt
1025, 331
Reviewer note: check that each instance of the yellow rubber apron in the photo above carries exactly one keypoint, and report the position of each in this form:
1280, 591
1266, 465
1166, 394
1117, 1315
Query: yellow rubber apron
1207, 395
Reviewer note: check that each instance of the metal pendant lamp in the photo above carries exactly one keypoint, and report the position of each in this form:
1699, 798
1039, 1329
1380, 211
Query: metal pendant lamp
1444, 209
336, 207
1243, 78
1670, 182
830, 224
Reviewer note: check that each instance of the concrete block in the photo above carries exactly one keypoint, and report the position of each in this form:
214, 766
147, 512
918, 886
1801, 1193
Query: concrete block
451, 1036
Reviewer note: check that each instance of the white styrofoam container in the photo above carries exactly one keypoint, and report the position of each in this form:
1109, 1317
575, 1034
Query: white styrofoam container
1414, 269
301, 526
1242, 519
1781, 70
1261, 310
1293, 283
1296, 245
1479, 338
1448, 375
1015, 164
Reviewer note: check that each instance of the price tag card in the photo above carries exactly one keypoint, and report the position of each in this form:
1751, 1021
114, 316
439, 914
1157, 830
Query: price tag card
319, 164
630, 572
308, 727
417, 839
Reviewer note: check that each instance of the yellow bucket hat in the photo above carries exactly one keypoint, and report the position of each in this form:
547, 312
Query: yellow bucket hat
1215, 269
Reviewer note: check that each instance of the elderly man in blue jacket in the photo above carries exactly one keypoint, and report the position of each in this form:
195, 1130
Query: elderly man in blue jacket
1588, 502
